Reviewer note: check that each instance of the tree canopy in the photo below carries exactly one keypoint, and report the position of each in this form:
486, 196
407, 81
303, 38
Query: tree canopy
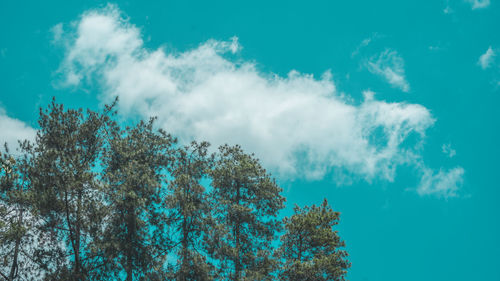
90, 199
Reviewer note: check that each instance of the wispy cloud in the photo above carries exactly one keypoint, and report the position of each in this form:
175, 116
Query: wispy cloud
442, 184
298, 125
390, 65
57, 32
479, 4
450, 152
486, 59
13, 130
365, 43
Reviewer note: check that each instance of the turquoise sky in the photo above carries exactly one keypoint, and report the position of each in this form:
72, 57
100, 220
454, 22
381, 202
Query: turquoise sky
400, 135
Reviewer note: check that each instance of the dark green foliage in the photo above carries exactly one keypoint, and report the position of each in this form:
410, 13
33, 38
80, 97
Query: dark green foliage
310, 247
189, 212
91, 200
247, 203
65, 180
135, 165
13, 224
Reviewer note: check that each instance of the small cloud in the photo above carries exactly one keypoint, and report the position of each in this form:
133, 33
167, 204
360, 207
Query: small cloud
57, 32
435, 48
450, 152
13, 130
390, 65
442, 184
3, 52
486, 59
235, 46
479, 4
448, 10
365, 43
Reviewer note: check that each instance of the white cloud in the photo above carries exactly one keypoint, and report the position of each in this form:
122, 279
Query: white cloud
442, 184
57, 32
450, 152
297, 125
12, 130
479, 4
390, 65
374, 36
486, 59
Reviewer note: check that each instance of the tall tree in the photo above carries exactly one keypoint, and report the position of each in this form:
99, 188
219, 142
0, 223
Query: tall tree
15, 220
63, 174
247, 203
189, 211
310, 248
136, 162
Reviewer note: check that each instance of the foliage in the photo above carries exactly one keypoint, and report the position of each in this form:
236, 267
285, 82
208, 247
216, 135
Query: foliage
64, 177
248, 203
189, 215
134, 162
310, 247
92, 200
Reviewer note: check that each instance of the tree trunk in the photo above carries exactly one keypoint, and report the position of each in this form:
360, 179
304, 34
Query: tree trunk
184, 255
237, 265
14, 266
78, 269
131, 231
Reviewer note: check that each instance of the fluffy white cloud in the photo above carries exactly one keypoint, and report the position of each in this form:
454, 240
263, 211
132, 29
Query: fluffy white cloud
12, 130
479, 4
486, 59
443, 183
390, 65
297, 125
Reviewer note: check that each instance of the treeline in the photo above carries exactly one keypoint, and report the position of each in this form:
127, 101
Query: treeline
92, 200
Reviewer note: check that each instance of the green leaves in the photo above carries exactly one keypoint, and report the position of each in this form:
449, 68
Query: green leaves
91, 200
189, 212
310, 248
136, 161
248, 205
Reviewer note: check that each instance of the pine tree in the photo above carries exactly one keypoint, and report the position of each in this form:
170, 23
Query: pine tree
247, 203
89, 200
135, 166
14, 224
64, 176
189, 211
310, 248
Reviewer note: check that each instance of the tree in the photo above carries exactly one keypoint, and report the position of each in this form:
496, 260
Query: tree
135, 167
189, 211
64, 176
91, 200
310, 247
14, 224
247, 203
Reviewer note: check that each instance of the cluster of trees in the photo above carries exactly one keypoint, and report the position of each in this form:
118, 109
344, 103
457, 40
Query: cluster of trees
92, 200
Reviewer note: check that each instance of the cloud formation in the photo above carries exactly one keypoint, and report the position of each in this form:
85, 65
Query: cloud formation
298, 125
13, 130
442, 184
450, 152
479, 4
486, 59
390, 65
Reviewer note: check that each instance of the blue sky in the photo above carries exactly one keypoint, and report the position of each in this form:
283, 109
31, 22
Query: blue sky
386, 108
